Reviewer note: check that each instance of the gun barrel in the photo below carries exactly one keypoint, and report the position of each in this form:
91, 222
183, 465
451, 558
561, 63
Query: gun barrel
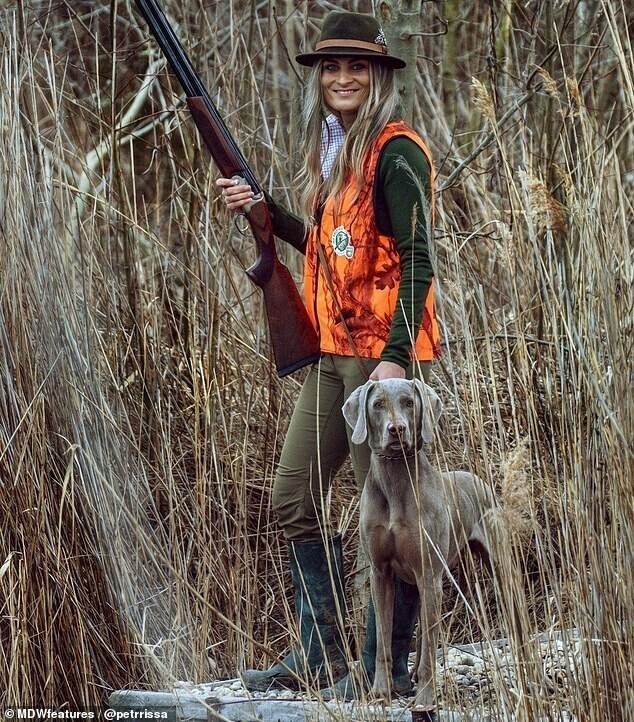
227, 154
293, 337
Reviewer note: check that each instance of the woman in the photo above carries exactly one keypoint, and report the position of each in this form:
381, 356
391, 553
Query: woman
366, 202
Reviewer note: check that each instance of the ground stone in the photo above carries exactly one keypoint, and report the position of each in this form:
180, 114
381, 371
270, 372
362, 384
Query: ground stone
474, 670
204, 703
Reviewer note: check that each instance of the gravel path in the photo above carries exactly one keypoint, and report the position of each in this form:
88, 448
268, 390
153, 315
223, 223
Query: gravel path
469, 680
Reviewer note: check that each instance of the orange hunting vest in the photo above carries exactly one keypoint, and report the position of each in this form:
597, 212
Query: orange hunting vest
359, 290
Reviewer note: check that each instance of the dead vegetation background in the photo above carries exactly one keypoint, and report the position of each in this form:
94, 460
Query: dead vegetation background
140, 416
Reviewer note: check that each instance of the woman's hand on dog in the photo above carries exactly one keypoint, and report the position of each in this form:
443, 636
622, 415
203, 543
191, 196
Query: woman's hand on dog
387, 370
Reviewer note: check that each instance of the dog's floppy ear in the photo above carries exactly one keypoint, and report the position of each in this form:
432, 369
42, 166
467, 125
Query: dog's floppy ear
355, 412
431, 409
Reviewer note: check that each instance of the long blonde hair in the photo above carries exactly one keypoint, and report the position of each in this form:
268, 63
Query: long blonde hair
380, 107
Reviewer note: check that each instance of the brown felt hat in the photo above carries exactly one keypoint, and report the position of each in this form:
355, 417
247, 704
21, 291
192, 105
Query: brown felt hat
351, 34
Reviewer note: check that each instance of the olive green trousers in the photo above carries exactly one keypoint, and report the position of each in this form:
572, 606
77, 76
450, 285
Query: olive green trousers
318, 443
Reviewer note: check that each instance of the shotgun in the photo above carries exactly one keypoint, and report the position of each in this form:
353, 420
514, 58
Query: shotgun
292, 334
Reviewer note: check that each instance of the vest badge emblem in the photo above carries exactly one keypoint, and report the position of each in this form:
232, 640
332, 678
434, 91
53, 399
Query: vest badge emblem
342, 242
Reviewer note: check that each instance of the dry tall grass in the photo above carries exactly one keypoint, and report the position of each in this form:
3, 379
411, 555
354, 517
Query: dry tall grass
140, 414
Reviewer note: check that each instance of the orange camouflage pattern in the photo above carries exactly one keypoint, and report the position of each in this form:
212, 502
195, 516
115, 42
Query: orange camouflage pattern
360, 290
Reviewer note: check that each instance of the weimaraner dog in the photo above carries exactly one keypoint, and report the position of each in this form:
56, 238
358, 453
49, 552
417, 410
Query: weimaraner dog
415, 521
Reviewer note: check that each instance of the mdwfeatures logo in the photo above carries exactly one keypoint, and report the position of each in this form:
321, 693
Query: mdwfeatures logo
12, 714
16, 713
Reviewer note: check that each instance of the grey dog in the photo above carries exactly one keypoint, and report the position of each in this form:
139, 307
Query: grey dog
415, 521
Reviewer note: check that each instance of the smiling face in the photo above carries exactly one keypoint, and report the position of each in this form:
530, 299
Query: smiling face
346, 84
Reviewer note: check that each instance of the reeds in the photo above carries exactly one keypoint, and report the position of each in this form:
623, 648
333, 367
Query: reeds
140, 416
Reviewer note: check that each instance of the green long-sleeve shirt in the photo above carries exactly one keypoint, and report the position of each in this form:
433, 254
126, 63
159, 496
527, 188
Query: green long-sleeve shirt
403, 172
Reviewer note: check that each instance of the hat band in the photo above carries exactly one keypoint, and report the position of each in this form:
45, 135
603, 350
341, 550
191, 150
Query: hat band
359, 44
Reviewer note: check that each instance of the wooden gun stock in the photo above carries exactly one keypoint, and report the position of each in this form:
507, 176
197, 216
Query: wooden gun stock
292, 335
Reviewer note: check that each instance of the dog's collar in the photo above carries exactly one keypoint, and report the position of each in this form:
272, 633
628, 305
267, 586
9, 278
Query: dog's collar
399, 455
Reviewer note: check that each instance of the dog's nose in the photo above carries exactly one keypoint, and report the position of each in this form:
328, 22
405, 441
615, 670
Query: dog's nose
396, 429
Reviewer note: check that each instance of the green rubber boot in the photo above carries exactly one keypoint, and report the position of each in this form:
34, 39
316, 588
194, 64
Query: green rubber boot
317, 574
359, 681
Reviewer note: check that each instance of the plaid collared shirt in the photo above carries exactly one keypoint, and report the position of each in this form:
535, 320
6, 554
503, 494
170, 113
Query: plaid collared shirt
332, 136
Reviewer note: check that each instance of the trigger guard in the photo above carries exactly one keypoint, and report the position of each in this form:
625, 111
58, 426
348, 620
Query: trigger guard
236, 222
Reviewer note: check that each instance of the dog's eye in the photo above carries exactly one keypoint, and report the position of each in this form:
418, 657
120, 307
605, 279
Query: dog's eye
378, 404
409, 403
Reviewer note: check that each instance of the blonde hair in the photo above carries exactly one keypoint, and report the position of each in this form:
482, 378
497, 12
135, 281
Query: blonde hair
380, 107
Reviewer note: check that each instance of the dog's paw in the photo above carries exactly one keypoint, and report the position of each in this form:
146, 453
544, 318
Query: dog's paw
380, 691
423, 715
